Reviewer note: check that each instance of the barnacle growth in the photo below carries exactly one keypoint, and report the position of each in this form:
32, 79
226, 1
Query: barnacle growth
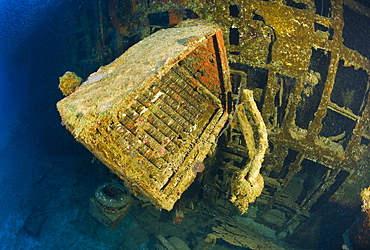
69, 83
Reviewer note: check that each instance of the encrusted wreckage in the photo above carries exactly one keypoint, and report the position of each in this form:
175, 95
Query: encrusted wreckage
247, 183
312, 91
307, 63
154, 113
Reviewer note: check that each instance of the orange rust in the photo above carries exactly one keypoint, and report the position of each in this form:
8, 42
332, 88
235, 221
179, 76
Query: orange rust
175, 16
177, 220
148, 154
163, 122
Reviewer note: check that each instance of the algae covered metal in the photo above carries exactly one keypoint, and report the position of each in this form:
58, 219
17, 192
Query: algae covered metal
153, 114
247, 184
308, 66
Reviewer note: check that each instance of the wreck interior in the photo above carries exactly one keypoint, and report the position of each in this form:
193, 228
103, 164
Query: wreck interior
306, 62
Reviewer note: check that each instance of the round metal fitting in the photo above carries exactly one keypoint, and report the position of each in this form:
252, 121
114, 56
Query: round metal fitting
112, 197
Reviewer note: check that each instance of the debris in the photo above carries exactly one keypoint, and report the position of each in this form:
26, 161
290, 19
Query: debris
150, 117
34, 222
312, 79
85, 223
239, 235
69, 82
110, 204
365, 195
247, 183
173, 243
362, 234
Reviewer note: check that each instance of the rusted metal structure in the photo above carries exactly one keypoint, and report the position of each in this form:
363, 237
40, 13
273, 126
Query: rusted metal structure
155, 112
314, 99
311, 83
359, 233
110, 204
308, 65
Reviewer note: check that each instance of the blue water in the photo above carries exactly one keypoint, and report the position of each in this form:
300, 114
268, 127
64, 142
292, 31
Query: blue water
38, 157
43, 170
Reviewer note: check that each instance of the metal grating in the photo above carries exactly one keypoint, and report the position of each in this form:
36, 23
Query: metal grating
151, 118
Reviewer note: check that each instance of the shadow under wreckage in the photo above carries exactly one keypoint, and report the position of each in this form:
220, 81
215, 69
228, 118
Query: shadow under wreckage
282, 133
